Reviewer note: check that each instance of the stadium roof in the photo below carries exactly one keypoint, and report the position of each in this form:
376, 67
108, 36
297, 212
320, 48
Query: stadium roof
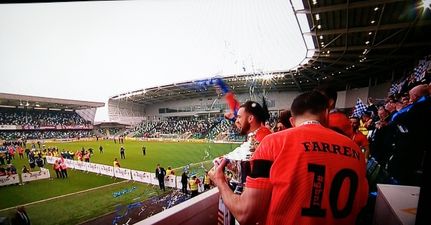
358, 40
14, 100
356, 43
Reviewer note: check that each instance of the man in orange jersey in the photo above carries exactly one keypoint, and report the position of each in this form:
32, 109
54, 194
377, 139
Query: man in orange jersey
305, 175
337, 120
360, 139
251, 120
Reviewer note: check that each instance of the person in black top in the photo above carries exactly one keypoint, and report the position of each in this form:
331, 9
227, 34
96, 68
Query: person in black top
184, 182
160, 174
122, 152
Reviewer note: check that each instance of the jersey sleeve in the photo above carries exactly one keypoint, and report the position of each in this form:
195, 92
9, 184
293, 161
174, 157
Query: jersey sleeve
261, 164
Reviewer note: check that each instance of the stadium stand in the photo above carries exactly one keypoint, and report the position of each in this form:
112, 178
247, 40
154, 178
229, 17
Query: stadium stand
210, 128
40, 118
31, 117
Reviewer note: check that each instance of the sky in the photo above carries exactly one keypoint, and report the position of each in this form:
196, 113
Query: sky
94, 50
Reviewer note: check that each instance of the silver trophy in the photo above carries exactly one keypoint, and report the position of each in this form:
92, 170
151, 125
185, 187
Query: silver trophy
236, 170
238, 167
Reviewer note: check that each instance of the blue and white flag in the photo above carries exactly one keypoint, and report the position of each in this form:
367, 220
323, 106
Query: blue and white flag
421, 70
360, 108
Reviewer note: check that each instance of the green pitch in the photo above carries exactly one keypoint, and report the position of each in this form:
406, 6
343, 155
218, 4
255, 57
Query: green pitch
90, 204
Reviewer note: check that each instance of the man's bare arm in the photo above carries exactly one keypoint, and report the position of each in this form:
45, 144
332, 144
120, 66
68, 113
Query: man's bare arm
250, 207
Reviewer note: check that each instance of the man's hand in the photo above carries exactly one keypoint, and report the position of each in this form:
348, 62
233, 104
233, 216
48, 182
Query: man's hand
216, 174
229, 116
248, 208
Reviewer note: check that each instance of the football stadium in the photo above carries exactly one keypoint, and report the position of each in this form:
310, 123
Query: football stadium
215, 112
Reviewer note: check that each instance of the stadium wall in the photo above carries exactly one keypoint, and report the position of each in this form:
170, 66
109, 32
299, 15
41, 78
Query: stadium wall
380, 91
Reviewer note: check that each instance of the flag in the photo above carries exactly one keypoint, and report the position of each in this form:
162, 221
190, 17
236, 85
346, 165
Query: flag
421, 70
395, 88
223, 89
360, 108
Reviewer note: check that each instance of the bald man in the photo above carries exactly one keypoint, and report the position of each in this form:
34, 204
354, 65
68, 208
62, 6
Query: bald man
418, 92
412, 138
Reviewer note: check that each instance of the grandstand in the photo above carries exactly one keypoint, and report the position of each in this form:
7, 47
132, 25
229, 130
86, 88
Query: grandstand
363, 48
32, 117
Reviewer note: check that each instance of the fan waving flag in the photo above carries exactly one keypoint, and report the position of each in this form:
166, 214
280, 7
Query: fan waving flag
224, 89
360, 108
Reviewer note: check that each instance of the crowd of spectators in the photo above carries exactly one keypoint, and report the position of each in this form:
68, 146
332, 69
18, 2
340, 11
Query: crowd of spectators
225, 128
46, 134
38, 118
182, 126
8, 170
199, 128
208, 128
142, 129
36, 154
398, 142
42, 124
110, 131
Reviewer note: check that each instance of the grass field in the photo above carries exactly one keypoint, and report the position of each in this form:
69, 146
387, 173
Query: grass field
76, 208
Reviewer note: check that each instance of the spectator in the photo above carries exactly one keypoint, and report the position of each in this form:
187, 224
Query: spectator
293, 167
20, 152
207, 181
410, 140
170, 171
194, 185
337, 121
371, 107
57, 168
283, 122
87, 156
160, 175
27, 152
123, 152
359, 138
368, 121
63, 168
184, 181
32, 163
116, 163
39, 162
382, 138
10, 170
250, 119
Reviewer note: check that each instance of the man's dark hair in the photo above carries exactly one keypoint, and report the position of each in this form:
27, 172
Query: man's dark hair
354, 117
256, 110
312, 102
329, 91
284, 118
